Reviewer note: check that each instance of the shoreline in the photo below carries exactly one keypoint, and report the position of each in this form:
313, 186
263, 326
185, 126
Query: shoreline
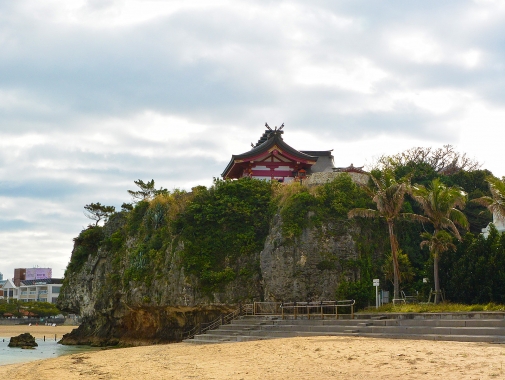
47, 338
307, 358
8, 331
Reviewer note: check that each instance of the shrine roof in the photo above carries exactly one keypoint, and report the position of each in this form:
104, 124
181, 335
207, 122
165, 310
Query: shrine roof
320, 160
274, 138
268, 140
318, 153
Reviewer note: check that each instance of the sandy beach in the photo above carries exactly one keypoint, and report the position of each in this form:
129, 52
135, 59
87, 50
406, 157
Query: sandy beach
6, 331
297, 358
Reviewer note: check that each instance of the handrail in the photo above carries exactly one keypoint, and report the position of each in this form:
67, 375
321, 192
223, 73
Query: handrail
219, 321
248, 308
321, 305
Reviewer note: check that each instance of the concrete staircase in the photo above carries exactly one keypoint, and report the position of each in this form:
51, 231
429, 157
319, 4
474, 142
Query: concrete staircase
463, 329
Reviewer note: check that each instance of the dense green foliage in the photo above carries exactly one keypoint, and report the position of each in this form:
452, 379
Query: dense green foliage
410, 237
222, 226
301, 207
475, 272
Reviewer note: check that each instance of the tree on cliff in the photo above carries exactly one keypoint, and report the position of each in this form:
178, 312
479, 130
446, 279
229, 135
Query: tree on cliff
388, 195
445, 160
98, 212
147, 191
440, 205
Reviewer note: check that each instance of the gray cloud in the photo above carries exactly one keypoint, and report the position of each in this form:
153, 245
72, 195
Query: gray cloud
77, 97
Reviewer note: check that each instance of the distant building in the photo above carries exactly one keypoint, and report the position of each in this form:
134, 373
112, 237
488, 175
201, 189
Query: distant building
42, 290
2, 282
21, 274
45, 290
9, 289
31, 284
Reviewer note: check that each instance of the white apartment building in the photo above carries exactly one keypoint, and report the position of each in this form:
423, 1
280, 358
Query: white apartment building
43, 290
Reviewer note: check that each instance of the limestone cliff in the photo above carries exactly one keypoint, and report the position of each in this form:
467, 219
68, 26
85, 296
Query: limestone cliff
308, 267
153, 273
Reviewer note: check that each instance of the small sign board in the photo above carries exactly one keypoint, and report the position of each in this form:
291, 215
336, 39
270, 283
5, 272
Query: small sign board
375, 282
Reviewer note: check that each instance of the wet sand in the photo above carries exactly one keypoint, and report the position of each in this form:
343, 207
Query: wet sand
292, 358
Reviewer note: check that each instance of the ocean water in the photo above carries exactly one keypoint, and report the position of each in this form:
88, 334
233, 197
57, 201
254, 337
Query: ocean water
45, 350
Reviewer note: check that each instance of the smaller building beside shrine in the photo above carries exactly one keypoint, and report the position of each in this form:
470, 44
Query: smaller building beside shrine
271, 158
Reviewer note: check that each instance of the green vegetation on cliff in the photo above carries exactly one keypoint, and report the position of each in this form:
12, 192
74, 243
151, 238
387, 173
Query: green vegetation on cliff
224, 229
207, 242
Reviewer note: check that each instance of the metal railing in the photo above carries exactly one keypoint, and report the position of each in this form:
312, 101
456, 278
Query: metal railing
310, 310
248, 309
202, 328
267, 308
320, 309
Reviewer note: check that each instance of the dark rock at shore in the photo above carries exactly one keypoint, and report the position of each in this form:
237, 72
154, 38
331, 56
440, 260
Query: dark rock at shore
25, 341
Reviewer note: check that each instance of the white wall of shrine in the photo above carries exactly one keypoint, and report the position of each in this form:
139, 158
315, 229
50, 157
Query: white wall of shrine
499, 223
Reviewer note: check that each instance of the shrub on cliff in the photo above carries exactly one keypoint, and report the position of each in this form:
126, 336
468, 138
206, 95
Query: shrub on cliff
87, 243
222, 227
301, 207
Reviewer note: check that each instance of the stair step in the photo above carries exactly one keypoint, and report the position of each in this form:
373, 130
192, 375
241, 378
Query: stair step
490, 330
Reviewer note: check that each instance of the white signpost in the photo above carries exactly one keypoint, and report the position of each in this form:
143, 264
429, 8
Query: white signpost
376, 284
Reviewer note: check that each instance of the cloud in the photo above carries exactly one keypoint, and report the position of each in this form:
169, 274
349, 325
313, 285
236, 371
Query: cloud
96, 94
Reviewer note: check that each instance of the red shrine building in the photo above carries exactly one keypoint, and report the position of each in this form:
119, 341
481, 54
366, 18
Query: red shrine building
272, 159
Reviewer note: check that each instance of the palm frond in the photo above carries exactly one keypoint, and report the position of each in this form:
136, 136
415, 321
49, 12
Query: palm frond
414, 217
363, 213
483, 201
449, 224
458, 217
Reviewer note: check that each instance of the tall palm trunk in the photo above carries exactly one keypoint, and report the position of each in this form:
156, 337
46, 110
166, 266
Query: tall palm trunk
394, 255
435, 276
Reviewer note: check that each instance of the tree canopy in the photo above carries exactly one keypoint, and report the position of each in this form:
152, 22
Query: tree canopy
146, 191
98, 212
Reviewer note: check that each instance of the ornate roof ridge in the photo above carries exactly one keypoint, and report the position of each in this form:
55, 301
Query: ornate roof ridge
351, 169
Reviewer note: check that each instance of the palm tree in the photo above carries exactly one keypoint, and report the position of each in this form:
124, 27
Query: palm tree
388, 195
495, 203
440, 205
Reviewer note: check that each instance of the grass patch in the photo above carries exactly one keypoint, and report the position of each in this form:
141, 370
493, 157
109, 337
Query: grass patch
444, 307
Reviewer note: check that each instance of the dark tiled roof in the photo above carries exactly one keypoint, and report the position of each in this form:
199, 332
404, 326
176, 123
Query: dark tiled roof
42, 281
351, 169
264, 137
317, 153
272, 138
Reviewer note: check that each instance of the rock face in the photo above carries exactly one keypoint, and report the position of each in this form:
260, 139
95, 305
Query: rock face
302, 269
306, 268
25, 341
166, 303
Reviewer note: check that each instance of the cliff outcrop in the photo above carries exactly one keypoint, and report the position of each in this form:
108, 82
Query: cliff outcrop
157, 271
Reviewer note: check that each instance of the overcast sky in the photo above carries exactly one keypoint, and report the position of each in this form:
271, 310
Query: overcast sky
96, 94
